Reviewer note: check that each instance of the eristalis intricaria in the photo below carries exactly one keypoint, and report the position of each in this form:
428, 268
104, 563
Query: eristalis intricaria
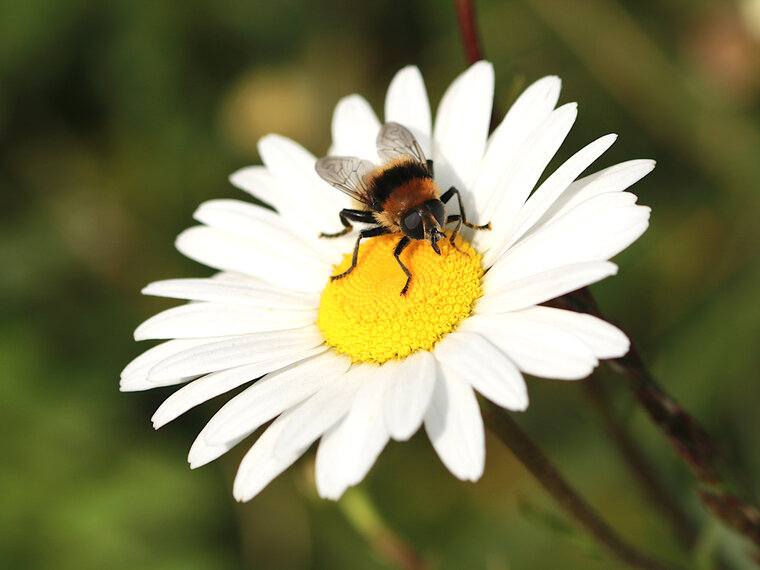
400, 196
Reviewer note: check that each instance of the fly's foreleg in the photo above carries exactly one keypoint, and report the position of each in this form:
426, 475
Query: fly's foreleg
460, 218
402, 243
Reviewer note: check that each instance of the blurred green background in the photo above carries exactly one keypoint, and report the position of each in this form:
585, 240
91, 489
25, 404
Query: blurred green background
117, 118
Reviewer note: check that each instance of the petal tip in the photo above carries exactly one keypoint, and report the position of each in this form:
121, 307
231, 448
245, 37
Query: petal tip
193, 460
353, 98
236, 175
140, 333
159, 419
271, 141
238, 492
409, 69
483, 66
184, 236
548, 86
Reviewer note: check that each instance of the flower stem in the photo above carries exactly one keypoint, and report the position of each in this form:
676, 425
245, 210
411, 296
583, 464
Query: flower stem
689, 439
641, 469
359, 510
543, 470
469, 30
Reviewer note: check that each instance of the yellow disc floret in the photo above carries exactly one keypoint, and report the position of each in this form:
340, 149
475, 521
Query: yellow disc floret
364, 316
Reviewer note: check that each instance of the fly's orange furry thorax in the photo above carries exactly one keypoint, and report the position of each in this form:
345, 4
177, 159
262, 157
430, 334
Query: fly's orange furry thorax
405, 197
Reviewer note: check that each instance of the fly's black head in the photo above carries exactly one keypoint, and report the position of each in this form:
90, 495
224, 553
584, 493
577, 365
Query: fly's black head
412, 224
425, 222
437, 209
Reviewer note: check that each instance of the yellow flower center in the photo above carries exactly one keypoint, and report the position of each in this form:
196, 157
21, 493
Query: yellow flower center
364, 315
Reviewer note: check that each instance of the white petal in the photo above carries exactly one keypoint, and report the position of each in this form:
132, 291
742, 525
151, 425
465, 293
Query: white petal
408, 394
265, 228
145, 361
202, 452
354, 129
260, 466
235, 351
240, 279
604, 340
203, 319
135, 375
329, 474
314, 201
520, 175
228, 252
272, 395
479, 363
259, 183
502, 294
526, 114
216, 383
455, 427
596, 230
537, 348
546, 194
252, 293
322, 411
407, 104
613, 179
364, 432
461, 126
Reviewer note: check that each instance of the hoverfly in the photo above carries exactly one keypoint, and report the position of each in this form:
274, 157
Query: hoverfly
400, 196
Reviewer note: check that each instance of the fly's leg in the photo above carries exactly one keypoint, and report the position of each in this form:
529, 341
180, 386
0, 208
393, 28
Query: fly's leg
347, 216
369, 232
458, 219
462, 217
402, 243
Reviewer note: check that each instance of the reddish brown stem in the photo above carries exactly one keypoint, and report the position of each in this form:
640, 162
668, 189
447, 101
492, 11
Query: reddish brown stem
641, 469
469, 30
689, 439
499, 422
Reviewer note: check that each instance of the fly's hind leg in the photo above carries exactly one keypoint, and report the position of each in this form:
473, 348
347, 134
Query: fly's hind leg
369, 232
460, 218
347, 216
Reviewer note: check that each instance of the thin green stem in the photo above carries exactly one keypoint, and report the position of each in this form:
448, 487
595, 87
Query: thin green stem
359, 510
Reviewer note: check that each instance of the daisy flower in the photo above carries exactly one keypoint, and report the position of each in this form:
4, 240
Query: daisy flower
352, 363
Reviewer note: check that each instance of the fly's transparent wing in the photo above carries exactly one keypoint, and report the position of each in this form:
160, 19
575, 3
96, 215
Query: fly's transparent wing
395, 141
347, 174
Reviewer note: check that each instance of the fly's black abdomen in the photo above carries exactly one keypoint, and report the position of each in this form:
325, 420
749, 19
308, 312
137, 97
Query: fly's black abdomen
392, 178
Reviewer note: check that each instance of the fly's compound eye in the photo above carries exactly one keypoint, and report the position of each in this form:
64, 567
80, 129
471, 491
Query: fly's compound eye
411, 225
438, 210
